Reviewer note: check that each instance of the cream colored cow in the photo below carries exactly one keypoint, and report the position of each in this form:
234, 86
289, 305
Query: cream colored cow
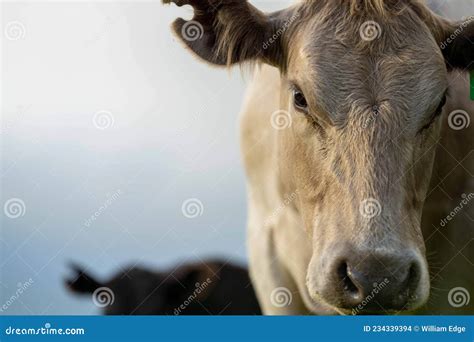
358, 152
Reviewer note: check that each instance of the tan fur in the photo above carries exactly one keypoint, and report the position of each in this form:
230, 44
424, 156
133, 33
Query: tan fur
386, 160
283, 250
369, 132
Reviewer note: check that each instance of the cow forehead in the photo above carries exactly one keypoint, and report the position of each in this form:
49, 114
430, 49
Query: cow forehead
408, 80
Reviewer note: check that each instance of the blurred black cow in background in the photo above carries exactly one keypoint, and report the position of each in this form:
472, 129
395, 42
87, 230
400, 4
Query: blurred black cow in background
211, 287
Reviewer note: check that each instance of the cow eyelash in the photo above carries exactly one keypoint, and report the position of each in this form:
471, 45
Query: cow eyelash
440, 106
436, 113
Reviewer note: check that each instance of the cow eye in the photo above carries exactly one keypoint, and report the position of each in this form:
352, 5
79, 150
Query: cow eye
441, 105
437, 113
299, 100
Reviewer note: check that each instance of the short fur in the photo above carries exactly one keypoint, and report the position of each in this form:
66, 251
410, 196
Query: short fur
374, 128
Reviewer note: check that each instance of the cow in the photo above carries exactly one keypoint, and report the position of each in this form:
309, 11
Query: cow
357, 147
210, 287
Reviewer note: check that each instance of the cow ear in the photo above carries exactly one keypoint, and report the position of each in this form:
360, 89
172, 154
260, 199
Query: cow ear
227, 32
456, 41
457, 44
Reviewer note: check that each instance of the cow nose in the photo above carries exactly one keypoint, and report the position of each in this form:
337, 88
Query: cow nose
372, 282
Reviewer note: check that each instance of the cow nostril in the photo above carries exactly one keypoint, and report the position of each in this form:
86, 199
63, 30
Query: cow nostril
348, 285
413, 277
